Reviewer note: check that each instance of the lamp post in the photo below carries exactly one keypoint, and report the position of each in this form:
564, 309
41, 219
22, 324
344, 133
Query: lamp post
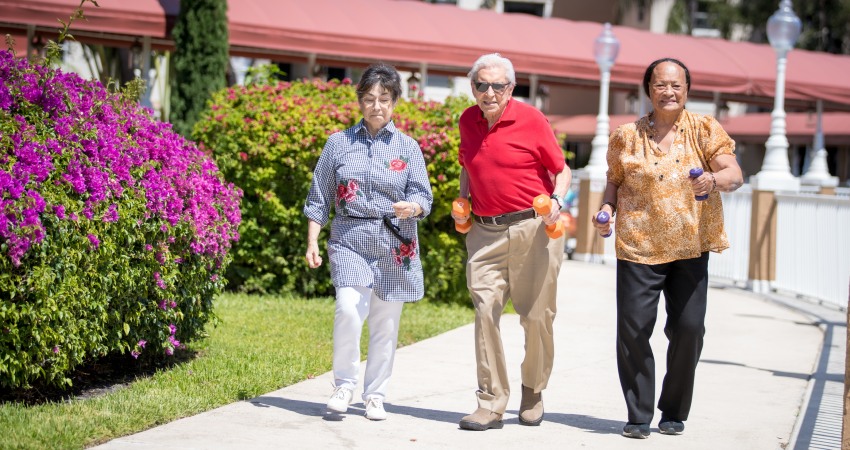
818, 173
783, 29
605, 50
592, 177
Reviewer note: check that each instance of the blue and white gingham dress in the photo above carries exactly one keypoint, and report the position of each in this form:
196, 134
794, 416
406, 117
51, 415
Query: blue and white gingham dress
361, 177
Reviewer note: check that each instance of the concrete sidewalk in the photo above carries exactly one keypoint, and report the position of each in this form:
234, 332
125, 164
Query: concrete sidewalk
753, 383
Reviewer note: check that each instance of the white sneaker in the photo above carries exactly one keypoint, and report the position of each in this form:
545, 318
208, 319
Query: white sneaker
340, 399
375, 409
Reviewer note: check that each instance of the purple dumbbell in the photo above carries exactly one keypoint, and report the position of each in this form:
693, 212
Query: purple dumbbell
603, 218
695, 173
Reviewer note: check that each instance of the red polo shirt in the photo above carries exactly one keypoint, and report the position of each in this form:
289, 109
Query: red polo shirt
509, 164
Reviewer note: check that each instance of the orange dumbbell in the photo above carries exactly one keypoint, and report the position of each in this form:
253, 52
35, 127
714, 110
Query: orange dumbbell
543, 205
460, 206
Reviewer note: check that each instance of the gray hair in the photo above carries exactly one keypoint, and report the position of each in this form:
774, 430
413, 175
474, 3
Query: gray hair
493, 60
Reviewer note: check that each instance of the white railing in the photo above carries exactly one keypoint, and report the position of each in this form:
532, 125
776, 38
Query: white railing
732, 265
813, 246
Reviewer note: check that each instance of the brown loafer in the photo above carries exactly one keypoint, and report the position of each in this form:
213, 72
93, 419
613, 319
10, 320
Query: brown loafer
531, 407
482, 419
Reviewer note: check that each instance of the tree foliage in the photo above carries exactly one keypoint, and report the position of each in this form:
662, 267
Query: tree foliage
200, 61
825, 22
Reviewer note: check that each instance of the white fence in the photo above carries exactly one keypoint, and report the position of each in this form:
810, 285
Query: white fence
812, 244
733, 264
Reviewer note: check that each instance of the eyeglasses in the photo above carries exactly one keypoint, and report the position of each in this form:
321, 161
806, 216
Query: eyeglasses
498, 88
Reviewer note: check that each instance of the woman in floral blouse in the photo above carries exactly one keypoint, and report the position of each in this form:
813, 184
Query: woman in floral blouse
373, 176
663, 236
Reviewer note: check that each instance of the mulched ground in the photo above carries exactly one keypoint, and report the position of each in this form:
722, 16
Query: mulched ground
97, 378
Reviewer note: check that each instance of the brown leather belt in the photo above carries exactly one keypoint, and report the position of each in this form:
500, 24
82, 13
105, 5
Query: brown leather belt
507, 219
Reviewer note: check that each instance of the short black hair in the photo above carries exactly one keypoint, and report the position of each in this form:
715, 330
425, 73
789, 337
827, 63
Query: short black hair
647, 76
381, 74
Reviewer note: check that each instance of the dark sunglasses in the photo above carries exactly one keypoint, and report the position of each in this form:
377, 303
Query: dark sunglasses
498, 88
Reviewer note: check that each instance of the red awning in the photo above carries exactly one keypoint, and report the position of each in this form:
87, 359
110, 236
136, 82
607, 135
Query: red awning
754, 127
449, 39
118, 17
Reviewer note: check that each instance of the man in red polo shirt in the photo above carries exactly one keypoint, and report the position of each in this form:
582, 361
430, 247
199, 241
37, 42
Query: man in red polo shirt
509, 155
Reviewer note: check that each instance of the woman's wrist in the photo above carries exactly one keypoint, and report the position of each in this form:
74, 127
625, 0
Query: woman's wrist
611, 205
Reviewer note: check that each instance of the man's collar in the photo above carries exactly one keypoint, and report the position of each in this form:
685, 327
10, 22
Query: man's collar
508, 115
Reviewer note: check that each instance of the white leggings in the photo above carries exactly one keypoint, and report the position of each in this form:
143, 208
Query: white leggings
353, 306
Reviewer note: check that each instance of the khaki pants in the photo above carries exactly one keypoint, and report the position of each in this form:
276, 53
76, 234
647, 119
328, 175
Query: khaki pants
518, 262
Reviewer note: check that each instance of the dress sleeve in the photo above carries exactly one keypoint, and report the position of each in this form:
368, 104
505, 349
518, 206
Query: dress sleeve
322, 192
418, 187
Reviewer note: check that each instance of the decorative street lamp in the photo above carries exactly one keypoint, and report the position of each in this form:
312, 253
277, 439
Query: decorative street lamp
592, 177
605, 50
783, 29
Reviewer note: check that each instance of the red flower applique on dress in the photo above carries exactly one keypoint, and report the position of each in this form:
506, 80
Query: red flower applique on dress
346, 192
397, 165
404, 253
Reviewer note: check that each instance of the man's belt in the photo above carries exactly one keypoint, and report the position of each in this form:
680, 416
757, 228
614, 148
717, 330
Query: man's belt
507, 219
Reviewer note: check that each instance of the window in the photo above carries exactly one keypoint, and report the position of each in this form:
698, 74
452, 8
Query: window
336, 73
522, 90
535, 9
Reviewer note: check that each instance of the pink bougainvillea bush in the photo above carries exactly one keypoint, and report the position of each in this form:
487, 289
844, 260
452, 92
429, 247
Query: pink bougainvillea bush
266, 138
114, 231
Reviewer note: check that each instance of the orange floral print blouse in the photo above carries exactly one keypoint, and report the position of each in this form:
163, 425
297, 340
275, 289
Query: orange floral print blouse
658, 220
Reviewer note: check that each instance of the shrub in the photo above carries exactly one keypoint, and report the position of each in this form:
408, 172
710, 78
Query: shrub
267, 139
114, 232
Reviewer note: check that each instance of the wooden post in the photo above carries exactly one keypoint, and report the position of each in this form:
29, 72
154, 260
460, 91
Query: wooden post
588, 241
762, 268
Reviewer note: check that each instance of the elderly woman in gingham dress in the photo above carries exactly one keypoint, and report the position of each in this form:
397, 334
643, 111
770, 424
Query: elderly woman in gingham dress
374, 178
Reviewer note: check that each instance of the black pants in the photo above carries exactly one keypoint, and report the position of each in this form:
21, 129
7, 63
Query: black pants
685, 285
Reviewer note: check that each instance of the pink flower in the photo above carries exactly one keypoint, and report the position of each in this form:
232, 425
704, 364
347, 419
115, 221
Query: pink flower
172, 328
174, 341
158, 280
56, 349
94, 241
142, 343
135, 354
169, 351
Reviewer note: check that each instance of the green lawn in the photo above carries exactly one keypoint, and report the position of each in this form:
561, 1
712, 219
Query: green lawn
261, 344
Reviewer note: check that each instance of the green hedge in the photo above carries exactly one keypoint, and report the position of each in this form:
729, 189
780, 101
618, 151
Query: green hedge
267, 138
114, 230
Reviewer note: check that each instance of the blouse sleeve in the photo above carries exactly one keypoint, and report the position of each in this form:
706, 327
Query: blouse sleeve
322, 193
616, 145
714, 140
